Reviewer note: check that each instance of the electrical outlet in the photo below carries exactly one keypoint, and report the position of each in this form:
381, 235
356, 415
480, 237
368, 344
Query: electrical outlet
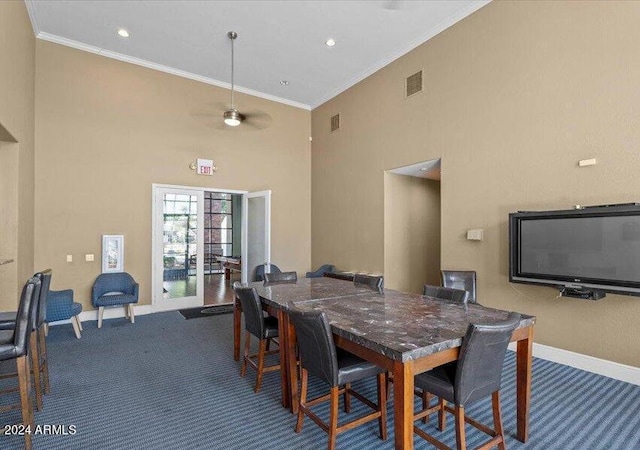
89, 257
69, 258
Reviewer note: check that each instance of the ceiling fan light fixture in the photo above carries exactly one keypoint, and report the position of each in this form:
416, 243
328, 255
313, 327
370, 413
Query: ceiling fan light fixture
232, 118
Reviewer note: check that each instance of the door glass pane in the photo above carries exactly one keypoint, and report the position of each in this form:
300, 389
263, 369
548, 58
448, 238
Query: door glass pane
180, 233
256, 239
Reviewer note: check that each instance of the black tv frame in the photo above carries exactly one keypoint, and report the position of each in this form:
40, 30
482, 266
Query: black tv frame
585, 288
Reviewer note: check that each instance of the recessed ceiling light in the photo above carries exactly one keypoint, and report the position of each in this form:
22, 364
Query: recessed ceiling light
423, 169
284, 82
123, 33
330, 43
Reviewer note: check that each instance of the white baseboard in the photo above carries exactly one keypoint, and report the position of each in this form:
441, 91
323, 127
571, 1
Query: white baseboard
139, 310
603, 367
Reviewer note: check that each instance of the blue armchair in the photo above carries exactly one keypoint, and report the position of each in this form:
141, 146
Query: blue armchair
114, 289
325, 268
60, 306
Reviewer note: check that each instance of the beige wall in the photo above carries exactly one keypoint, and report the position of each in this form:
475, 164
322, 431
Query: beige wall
17, 113
411, 232
514, 96
106, 130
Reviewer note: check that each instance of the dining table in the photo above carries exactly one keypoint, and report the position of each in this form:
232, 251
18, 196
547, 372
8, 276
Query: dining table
404, 333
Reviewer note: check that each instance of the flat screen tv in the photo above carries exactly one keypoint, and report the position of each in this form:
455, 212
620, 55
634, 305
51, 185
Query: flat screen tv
584, 252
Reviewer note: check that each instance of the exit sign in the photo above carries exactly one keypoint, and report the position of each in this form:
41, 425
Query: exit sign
205, 167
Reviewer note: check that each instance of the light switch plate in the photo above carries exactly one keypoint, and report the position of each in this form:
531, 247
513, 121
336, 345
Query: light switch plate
89, 257
69, 258
475, 235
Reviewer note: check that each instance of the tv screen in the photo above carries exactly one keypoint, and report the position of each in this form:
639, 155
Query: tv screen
593, 247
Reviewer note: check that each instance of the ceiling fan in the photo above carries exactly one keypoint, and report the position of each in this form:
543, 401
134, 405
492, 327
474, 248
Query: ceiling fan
232, 118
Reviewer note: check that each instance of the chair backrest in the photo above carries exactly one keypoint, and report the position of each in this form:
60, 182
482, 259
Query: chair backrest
252, 308
339, 276
455, 295
481, 359
26, 315
461, 279
325, 268
259, 271
45, 282
315, 344
280, 277
112, 282
374, 282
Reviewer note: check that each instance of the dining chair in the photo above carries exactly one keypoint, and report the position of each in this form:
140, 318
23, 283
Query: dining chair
114, 289
37, 341
374, 282
259, 271
14, 345
445, 293
60, 306
461, 279
336, 367
320, 271
280, 277
265, 328
475, 375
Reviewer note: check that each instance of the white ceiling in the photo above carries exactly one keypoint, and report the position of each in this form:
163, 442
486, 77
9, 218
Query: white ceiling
427, 169
277, 40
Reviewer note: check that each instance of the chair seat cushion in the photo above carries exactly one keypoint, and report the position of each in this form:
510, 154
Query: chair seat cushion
352, 368
76, 309
270, 327
438, 381
116, 299
7, 320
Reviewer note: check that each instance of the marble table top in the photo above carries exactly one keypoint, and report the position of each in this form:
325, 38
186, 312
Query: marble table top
398, 325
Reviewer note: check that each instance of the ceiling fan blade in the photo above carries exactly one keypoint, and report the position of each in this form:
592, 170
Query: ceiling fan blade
258, 120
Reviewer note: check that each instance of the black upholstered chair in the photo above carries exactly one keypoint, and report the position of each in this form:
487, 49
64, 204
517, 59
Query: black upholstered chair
14, 345
475, 375
280, 277
320, 271
374, 282
460, 279
336, 367
339, 276
264, 328
445, 293
37, 340
259, 271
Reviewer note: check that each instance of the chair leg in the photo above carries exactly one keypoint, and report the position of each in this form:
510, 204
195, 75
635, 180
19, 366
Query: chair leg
497, 418
442, 416
35, 364
22, 364
44, 362
426, 399
263, 349
76, 330
132, 316
46, 329
347, 398
247, 344
461, 438
303, 398
100, 313
268, 344
79, 323
382, 405
333, 417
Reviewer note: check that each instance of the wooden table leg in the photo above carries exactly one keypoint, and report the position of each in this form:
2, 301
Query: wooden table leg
403, 404
237, 315
283, 326
523, 389
292, 365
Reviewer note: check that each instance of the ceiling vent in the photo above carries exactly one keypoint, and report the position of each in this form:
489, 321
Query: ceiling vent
335, 122
413, 84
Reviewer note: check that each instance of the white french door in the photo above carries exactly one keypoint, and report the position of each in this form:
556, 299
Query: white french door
178, 239
256, 232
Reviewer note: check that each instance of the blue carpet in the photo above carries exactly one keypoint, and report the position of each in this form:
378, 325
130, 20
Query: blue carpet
171, 383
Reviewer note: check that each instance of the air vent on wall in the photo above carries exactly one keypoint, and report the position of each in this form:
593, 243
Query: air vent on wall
335, 122
413, 84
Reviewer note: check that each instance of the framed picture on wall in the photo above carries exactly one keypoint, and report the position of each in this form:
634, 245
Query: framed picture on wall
112, 253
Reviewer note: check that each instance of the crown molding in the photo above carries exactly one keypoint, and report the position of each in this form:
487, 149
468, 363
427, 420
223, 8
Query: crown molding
31, 10
162, 68
470, 9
